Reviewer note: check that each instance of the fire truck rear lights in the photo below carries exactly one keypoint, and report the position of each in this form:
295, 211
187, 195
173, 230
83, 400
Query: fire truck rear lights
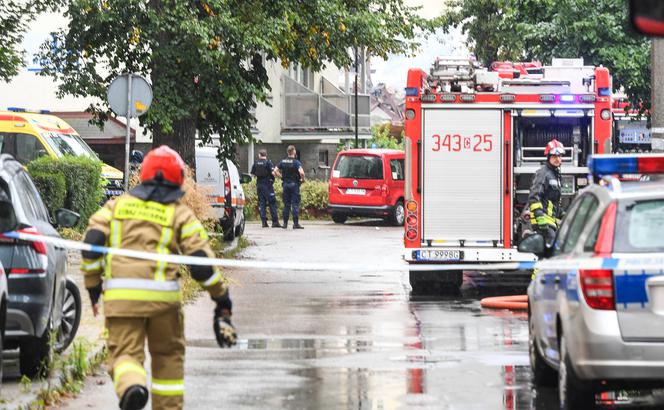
600, 165
567, 98
547, 98
411, 92
467, 97
605, 114
604, 92
410, 114
428, 98
411, 220
448, 98
507, 98
411, 234
589, 98
411, 206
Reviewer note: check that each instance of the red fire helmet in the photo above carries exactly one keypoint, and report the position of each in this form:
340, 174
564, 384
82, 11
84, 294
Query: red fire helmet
554, 147
163, 163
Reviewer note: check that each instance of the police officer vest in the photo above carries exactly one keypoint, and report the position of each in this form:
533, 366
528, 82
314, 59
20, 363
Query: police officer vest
290, 170
263, 170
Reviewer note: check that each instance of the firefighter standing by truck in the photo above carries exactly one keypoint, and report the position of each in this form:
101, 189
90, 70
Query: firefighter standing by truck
263, 171
142, 298
545, 193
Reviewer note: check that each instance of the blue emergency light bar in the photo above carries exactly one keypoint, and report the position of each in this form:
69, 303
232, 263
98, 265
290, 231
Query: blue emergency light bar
601, 165
411, 91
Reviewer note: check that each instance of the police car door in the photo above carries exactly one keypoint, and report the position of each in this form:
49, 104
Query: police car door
639, 294
551, 284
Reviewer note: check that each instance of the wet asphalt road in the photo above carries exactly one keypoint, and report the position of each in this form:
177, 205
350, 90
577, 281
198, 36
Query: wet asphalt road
339, 340
342, 340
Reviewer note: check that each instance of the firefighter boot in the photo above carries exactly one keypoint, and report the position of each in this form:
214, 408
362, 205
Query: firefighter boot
265, 225
134, 398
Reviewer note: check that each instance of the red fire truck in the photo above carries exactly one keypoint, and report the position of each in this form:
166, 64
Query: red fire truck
474, 139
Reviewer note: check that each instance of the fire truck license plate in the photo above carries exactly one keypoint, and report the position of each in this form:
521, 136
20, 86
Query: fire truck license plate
440, 255
355, 191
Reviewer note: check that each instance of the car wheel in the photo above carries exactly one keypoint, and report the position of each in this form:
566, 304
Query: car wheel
35, 355
339, 219
229, 228
398, 214
71, 317
239, 230
573, 393
543, 374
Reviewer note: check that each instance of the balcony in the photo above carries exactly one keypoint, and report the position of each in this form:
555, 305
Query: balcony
331, 110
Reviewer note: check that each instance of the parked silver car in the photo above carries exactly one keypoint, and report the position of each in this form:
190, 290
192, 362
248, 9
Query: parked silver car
602, 327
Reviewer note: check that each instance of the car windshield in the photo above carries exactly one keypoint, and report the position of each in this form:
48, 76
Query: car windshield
360, 167
68, 144
639, 228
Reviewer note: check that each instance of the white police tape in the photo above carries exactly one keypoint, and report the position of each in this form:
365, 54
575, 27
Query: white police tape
626, 262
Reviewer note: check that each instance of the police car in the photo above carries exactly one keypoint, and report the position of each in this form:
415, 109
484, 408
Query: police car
601, 326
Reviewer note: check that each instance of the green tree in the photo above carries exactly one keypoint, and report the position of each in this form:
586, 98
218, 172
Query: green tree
382, 137
15, 15
206, 59
597, 30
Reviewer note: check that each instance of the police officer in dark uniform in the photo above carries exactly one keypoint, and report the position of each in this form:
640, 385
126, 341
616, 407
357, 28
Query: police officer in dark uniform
545, 193
292, 174
263, 171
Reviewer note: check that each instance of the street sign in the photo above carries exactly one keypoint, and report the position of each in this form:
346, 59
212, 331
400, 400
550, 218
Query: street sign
129, 95
141, 95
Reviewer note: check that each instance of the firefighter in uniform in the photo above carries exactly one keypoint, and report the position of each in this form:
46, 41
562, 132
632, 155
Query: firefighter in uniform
545, 193
292, 174
263, 171
142, 298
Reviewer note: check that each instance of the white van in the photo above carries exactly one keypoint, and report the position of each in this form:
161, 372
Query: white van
226, 194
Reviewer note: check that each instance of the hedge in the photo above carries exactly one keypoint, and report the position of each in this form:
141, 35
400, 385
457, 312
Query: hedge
81, 179
313, 200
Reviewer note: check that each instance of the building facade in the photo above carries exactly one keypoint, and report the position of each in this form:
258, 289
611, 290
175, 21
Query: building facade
314, 111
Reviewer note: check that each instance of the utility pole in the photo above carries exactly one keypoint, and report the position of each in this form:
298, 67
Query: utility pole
657, 93
357, 129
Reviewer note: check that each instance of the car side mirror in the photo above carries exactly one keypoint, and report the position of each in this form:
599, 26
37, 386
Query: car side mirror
66, 218
245, 178
8, 220
533, 244
647, 17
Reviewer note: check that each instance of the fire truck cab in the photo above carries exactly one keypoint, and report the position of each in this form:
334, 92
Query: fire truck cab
474, 139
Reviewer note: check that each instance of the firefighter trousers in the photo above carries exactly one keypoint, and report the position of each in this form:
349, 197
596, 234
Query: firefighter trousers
126, 353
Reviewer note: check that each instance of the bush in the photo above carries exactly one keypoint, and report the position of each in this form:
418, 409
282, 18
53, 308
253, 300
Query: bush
51, 187
84, 186
313, 200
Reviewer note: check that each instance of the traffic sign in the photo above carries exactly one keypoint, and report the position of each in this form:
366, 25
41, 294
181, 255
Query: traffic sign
140, 96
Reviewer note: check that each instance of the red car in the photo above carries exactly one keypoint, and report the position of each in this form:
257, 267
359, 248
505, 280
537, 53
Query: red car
368, 182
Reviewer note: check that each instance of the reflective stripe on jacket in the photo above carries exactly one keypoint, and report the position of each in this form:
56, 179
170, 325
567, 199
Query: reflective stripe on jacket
137, 287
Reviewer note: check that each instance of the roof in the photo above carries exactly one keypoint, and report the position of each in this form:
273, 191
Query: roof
372, 151
46, 122
114, 131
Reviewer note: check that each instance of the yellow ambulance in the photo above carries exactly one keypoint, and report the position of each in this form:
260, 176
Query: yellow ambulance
29, 135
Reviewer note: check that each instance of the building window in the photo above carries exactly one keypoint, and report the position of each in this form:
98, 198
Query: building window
302, 75
323, 158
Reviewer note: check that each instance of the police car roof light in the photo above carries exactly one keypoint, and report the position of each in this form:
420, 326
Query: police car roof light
16, 109
626, 164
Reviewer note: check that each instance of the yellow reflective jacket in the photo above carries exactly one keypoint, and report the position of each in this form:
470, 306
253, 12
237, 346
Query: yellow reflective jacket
138, 287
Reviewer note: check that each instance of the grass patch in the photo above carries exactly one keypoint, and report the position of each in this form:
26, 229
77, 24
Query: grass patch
71, 371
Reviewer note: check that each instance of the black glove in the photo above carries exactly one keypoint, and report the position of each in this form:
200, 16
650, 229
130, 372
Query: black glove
222, 326
95, 294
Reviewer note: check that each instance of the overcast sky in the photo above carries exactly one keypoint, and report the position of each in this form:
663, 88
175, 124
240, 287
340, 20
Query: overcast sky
391, 72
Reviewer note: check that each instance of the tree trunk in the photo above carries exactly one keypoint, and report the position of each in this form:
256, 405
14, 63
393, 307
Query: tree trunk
182, 140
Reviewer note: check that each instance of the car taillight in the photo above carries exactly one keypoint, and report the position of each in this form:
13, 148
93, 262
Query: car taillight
597, 286
39, 247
